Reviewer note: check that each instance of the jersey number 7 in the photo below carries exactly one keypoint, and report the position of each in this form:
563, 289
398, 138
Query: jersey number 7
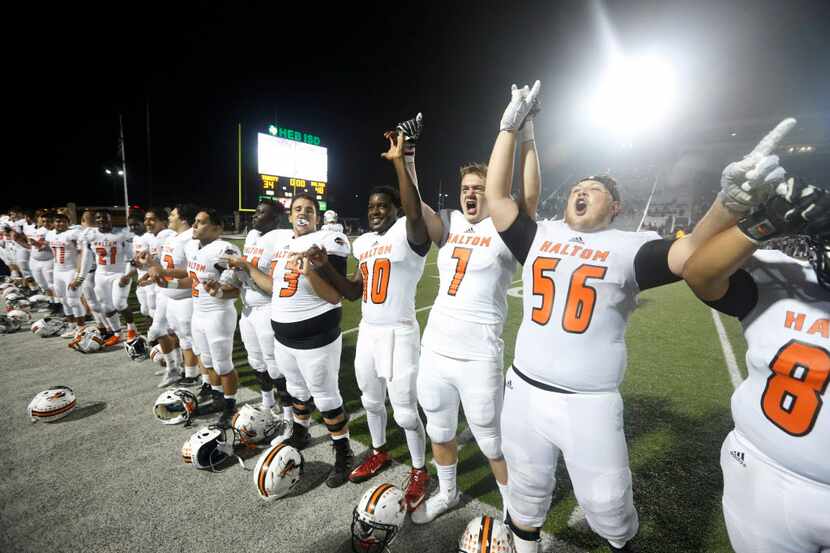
579, 305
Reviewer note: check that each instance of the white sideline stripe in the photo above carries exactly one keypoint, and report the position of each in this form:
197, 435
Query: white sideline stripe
728, 354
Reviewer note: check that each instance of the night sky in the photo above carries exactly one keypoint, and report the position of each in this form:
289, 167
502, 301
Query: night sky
348, 71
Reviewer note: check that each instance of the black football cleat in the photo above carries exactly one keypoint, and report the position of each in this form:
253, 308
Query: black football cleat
343, 465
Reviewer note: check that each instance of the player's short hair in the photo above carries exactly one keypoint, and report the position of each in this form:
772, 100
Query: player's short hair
213, 216
159, 212
479, 169
278, 207
606, 180
136, 216
394, 197
105, 212
187, 212
61, 215
309, 197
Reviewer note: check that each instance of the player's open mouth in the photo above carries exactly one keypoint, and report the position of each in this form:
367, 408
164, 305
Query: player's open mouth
472, 206
580, 206
375, 221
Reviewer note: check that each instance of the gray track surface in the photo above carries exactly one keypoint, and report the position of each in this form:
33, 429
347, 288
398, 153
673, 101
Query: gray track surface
109, 477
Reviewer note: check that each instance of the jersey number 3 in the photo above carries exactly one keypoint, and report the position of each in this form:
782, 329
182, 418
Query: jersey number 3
792, 398
579, 307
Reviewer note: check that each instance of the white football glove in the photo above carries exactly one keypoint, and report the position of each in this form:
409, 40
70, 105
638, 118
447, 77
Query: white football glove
747, 183
522, 102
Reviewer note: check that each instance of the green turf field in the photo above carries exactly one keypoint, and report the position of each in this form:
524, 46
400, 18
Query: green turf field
676, 395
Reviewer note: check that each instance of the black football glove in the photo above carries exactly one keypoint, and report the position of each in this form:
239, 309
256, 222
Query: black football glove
796, 208
411, 129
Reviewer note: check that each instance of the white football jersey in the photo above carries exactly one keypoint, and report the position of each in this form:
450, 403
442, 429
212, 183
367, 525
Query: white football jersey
172, 256
204, 263
293, 298
40, 246
158, 241
579, 289
782, 405
259, 251
21, 226
391, 271
112, 250
65, 248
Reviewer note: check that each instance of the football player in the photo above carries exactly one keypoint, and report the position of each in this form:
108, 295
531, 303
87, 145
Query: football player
214, 314
175, 310
65, 249
461, 349
21, 229
111, 253
330, 222
255, 321
775, 468
580, 281
305, 316
85, 277
390, 260
41, 260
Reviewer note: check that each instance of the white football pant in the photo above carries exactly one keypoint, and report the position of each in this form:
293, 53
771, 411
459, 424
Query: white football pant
258, 337
768, 508
179, 317
213, 338
160, 326
312, 372
111, 295
42, 272
386, 360
146, 299
445, 383
21, 259
88, 292
587, 429
70, 299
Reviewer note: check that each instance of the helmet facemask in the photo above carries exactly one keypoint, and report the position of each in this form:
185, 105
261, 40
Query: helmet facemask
369, 536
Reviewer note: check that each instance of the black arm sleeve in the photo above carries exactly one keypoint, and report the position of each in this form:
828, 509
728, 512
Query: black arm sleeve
740, 298
651, 265
519, 236
420, 249
339, 263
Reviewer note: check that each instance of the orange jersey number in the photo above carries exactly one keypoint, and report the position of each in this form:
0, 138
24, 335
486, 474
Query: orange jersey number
381, 269
462, 257
169, 264
194, 283
292, 278
579, 305
792, 398
102, 255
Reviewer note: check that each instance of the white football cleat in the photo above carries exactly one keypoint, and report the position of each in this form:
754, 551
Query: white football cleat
287, 427
434, 507
170, 378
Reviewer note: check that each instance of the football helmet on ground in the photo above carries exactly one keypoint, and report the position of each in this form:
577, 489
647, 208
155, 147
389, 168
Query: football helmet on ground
485, 534
176, 406
209, 449
48, 326
19, 315
156, 355
52, 404
89, 342
8, 324
377, 518
277, 471
137, 348
253, 425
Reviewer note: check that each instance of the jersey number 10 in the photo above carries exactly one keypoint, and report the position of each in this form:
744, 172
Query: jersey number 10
381, 269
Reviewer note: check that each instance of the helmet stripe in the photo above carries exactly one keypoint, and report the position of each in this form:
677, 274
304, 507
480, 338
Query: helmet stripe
263, 470
63, 409
486, 534
373, 501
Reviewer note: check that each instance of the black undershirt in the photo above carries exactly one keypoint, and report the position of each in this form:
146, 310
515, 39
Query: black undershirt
740, 298
651, 264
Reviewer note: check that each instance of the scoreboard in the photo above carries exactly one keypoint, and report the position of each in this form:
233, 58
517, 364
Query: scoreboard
287, 162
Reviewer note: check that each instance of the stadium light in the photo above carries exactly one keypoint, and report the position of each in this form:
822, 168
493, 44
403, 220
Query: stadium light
120, 173
107, 171
635, 94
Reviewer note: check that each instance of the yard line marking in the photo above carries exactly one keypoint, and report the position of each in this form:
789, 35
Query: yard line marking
728, 354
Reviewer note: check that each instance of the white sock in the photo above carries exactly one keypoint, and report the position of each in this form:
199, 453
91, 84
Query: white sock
218, 388
341, 437
171, 361
617, 544
503, 492
268, 400
524, 546
416, 441
287, 412
191, 372
178, 352
131, 326
376, 420
306, 422
100, 319
115, 323
447, 479
205, 379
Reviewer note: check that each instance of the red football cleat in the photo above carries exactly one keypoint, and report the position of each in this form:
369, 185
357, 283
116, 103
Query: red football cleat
415, 489
370, 467
113, 340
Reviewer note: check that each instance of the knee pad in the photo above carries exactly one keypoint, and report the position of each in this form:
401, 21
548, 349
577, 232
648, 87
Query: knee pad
491, 447
273, 371
263, 380
257, 364
371, 405
439, 434
328, 403
223, 368
207, 360
407, 418
186, 342
120, 304
609, 506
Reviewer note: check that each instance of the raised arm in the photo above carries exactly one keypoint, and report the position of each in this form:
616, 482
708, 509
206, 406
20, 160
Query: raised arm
503, 208
528, 199
419, 215
745, 184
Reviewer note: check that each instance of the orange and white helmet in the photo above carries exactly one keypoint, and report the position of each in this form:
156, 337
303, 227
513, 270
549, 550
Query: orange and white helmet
277, 471
176, 406
52, 404
377, 518
156, 355
486, 535
253, 425
48, 326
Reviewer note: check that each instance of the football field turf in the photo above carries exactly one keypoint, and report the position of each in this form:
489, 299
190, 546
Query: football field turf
676, 394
